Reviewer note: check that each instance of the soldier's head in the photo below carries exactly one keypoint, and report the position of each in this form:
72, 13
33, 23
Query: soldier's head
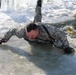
32, 31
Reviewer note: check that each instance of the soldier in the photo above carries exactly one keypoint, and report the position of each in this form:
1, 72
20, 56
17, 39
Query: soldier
38, 32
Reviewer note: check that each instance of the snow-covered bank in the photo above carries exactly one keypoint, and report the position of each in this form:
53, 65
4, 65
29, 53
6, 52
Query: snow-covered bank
53, 11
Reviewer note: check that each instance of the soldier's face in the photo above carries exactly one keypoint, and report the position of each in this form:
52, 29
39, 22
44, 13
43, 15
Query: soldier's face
33, 34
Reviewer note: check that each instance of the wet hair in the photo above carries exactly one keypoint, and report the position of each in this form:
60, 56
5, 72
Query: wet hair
31, 26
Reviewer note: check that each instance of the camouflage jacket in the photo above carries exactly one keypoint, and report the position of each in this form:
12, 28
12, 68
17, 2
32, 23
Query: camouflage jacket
60, 39
58, 35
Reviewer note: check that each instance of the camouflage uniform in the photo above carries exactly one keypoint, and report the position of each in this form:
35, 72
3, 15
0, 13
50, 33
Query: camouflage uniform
59, 36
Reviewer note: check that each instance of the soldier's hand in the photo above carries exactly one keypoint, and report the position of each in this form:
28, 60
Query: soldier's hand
39, 3
0, 42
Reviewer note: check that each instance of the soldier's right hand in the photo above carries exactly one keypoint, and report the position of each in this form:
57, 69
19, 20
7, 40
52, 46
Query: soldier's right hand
0, 42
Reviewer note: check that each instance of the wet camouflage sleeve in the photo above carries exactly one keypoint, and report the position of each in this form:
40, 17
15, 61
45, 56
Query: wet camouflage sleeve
38, 15
59, 36
19, 32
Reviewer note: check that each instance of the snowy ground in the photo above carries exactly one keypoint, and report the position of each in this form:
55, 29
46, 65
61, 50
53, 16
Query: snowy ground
22, 59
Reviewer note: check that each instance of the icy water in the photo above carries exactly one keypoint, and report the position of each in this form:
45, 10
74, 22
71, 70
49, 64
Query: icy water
21, 58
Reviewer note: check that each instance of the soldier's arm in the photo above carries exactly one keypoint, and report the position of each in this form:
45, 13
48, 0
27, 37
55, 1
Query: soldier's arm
61, 39
19, 32
38, 15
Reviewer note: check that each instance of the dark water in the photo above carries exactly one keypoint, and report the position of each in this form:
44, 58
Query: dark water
17, 57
